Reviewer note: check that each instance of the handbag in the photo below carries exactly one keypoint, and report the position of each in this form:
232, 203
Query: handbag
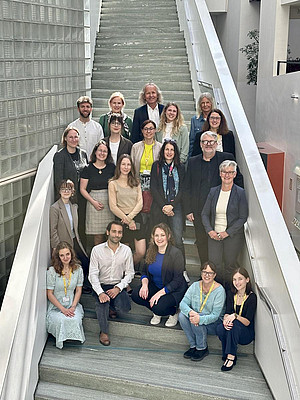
147, 201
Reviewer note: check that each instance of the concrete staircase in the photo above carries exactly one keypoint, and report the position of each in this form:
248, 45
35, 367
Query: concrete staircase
140, 41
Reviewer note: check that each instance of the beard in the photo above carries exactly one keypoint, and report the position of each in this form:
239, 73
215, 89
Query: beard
85, 115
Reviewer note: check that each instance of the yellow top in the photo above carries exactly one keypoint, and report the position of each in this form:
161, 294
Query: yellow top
147, 158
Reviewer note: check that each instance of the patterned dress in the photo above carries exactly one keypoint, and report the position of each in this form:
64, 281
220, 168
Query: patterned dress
60, 326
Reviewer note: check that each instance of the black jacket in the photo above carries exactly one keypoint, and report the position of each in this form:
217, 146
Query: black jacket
140, 115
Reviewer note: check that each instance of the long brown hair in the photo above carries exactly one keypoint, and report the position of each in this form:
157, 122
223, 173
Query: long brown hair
152, 249
244, 272
177, 123
56, 261
131, 177
223, 128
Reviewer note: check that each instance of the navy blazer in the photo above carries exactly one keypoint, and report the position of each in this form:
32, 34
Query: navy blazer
193, 180
236, 213
172, 273
140, 115
228, 144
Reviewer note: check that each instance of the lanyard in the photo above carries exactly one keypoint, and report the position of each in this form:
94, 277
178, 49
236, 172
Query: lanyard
209, 292
242, 305
69, 281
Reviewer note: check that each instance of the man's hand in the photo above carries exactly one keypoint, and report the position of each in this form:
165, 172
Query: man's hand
112, 293
103, 298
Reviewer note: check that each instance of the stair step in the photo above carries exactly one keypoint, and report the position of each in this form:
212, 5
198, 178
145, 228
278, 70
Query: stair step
128, 78
155, 23
182, 87
149, 369
141, 52
114, 45
167, 68
107, 36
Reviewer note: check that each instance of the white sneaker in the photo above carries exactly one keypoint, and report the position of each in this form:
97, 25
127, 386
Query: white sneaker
172, 320
155, 320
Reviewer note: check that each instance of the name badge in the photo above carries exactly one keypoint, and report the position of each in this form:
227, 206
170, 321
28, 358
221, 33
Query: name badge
146, 172
66, 299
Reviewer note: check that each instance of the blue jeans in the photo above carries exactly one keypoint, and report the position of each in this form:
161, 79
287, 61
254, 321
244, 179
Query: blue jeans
197, 335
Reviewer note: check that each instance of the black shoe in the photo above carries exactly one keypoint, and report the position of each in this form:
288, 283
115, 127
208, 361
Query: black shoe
228, 365
225, 358
190, 352
200, 354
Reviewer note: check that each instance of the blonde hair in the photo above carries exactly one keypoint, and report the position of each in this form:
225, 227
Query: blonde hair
177, 123
65, 133
209, 98
116, 94
84, 99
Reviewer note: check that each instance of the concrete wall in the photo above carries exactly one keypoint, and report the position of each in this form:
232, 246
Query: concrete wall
232, 28
277, 114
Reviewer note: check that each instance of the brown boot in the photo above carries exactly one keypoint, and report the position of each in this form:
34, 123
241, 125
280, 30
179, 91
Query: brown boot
104, 339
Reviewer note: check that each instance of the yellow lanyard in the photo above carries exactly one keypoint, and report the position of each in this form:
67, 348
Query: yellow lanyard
69, 281
209, 292
242, 305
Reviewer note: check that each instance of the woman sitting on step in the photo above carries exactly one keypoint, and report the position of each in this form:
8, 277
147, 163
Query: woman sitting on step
238, 322
64, 286
200, 311
163, 284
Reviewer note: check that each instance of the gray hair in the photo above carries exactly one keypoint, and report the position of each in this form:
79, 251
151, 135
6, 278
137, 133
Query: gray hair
213, 135
142, 93
202, 96
226, 164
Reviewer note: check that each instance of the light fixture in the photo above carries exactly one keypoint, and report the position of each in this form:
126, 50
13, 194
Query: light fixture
294, 96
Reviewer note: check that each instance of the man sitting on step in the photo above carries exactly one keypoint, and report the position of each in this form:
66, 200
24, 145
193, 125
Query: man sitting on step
111, 270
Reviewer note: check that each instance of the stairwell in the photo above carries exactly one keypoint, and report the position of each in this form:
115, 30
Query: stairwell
140, 41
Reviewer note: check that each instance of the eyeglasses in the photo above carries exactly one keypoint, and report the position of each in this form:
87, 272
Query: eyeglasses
207, 273
65, 190
215, 118
210, 142
103, 151
148, 129
116, 123
227, 172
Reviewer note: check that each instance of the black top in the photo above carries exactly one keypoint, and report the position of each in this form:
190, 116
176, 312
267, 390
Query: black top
249, 307
98, 181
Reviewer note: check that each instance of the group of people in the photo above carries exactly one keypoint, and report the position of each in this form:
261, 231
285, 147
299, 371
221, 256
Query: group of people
137, 181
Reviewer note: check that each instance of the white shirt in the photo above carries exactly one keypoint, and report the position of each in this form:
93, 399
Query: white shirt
110, 268
114, 147
90, 134
153, 114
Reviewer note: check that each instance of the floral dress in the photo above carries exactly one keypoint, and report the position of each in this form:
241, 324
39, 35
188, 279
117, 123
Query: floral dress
60, 326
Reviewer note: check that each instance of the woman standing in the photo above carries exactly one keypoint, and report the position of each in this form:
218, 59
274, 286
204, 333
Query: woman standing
204, 105
93, 187
126, 203
70, 160
238, 322
201, 309
64, 223
163, 284
172, 127
116, 103
166, 183
216, 122
223, 217
116, 142
64, 315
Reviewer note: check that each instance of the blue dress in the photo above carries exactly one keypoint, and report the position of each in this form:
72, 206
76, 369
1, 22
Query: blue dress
60, 326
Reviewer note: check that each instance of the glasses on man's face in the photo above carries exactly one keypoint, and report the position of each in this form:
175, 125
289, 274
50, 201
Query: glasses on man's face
215, 118
208, 273
208, 142
148, 129
227, 172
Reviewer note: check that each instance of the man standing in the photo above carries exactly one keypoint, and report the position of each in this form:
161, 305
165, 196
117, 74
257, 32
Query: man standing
111, 271
202, 175
150, 97
90, 131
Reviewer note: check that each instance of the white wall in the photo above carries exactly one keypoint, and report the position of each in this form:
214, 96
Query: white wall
277, 115
232, 29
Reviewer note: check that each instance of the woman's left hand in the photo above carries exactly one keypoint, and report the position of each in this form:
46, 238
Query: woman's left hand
154, 299
194, 317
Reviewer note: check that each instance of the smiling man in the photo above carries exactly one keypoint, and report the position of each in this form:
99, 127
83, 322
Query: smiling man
90, 131
202, 175
111, 270
151, 98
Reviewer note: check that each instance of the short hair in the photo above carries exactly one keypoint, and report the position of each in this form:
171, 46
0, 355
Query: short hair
161, 156
142, 99
223, 127
202, 96
116, 117
119, 223
244, 272
65, 133
84, 99
116, 94
108, 159
146, 122
228, 163
208, 264
213, 135
68, 184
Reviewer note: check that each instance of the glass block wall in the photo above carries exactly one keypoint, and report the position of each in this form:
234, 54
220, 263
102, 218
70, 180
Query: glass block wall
43, 59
